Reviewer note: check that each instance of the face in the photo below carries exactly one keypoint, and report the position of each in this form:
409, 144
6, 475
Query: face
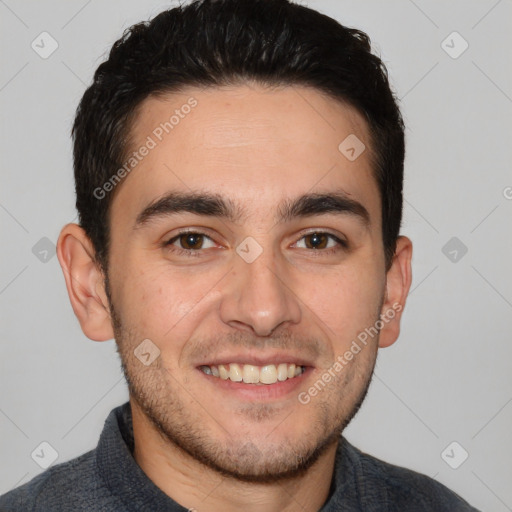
247, 248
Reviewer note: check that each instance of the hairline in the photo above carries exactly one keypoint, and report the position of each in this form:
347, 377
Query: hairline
167, 92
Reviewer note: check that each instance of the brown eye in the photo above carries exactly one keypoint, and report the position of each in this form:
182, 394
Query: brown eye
321, 241
191, 240
316, 240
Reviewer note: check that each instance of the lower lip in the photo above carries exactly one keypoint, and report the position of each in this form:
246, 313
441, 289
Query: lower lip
259, 392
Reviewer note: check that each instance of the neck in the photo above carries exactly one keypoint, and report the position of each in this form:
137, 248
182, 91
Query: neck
196, 486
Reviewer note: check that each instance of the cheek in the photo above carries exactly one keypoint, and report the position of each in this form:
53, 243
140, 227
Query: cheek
161, 304
346, 301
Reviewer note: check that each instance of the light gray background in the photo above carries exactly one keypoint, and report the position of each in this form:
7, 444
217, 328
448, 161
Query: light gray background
448, 378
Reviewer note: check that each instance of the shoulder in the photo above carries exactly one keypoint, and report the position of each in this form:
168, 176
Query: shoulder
68, 482
402, 488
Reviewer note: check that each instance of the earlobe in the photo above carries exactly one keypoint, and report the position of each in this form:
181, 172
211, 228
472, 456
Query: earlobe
84, 282
398, 282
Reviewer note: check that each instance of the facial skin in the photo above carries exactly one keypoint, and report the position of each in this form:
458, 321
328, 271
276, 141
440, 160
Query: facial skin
208, 443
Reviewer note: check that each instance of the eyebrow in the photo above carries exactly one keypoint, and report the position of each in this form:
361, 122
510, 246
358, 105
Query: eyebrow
215, 205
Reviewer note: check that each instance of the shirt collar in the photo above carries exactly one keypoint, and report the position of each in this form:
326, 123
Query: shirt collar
120, 471
126, 480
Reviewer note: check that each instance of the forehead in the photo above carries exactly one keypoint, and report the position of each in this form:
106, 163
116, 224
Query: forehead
252, 144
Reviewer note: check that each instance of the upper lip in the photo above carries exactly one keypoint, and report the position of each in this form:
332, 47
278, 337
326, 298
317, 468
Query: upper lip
257, 359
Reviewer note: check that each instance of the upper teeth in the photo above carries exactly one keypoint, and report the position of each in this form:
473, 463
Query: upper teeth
251, 374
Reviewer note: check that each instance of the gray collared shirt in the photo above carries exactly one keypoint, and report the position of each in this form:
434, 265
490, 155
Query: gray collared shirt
108, 479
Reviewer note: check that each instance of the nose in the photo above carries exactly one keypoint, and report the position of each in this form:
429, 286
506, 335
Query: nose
258, 298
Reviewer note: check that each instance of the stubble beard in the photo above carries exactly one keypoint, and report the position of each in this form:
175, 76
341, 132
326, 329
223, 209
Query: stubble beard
157, 394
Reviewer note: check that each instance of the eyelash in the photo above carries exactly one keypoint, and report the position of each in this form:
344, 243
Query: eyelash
194, 253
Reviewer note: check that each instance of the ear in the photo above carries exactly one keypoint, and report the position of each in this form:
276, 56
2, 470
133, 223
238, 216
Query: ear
398, 282
85, 283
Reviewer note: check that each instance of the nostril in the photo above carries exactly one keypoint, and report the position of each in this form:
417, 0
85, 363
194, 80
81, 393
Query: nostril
257, 332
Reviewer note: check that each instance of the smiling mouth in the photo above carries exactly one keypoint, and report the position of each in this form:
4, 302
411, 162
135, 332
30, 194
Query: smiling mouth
251, 374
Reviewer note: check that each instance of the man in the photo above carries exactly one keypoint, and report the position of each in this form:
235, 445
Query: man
238, 168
